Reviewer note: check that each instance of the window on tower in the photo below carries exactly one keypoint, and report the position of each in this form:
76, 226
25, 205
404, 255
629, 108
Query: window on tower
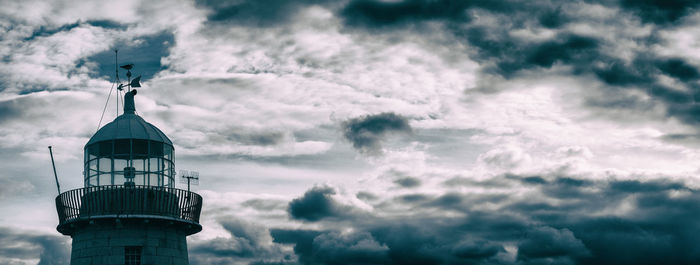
132, 255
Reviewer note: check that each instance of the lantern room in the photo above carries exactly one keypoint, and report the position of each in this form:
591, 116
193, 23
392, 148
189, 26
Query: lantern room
129, 151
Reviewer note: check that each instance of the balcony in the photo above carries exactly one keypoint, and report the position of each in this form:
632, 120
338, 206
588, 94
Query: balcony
87, 205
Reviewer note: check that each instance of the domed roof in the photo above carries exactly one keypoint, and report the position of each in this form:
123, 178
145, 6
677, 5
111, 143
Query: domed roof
129, 126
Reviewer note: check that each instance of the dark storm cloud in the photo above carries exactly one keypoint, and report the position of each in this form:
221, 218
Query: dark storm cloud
554, 18
500, 52
353, 248
381, 13
509, 56
678, 68
257, 13
616, 72
301, 239
47, 30
660, 11
375, 13
587, 225
547, 242
50, 250
367, 132
316, 204
476, 250
564, 49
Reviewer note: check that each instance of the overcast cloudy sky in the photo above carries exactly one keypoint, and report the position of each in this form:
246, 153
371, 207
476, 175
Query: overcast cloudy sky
374, 132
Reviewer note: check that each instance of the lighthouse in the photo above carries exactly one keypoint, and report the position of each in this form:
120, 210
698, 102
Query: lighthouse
129, 211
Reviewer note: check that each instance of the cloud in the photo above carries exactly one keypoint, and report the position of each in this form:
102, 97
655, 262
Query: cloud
266, 13
678, 68
520, 39
484, 86
366, 133
508, 157
11, 186
374, 13
560, 220
265, 204
547, 242
353, 248
408, 182
316, 204
660, 12
476, 250
16, 246
247, 242
380, 13
263, 138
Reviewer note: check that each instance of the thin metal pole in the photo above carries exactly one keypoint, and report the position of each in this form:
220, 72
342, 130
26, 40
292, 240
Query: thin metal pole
116, 65
58, 187
116, 75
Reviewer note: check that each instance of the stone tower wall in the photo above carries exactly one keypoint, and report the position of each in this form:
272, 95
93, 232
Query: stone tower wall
104, 243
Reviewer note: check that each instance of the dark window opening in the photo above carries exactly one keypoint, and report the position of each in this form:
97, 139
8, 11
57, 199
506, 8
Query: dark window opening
132, 256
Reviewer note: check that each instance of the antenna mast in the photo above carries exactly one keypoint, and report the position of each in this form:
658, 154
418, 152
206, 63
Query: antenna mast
189, 176
116, 75
54, 171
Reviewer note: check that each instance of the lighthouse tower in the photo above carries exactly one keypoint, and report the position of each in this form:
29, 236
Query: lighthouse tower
129, 211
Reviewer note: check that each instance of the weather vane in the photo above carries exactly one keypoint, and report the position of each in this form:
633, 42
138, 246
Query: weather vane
136, 82
130, 83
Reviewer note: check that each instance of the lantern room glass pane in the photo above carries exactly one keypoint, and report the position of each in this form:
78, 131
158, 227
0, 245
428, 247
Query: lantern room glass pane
105, 165
119, 165
105, 179
140, 165
92, 180
139, 179
152, 161
153, 179
119, 178
154, 165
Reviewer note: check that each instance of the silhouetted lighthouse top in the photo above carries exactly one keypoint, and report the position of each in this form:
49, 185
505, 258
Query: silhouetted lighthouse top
129, 211
129, 151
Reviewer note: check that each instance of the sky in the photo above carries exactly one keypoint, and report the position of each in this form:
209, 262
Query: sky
373, 132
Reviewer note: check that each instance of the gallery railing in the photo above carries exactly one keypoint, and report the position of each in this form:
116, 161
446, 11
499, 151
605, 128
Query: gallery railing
118, 200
